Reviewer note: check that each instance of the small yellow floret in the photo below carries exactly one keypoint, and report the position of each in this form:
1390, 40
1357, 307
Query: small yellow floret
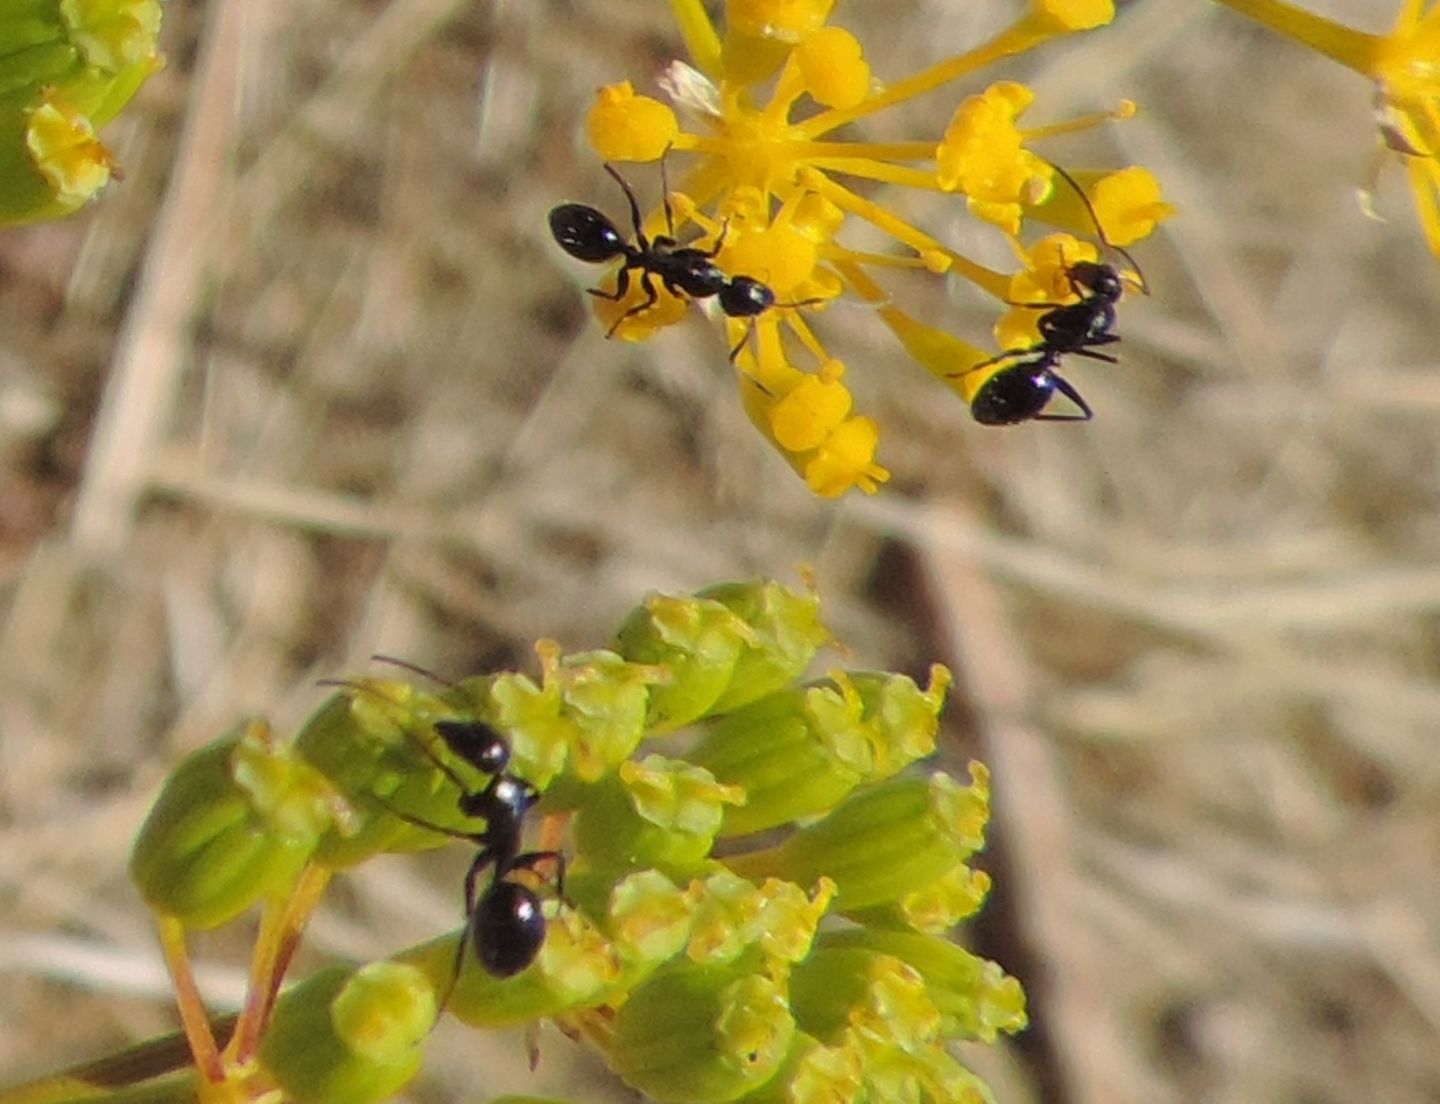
847, 460
63, 146
810, 413
113, 35
1043, 280
833, 66
781, 256
1075, 15
666, 311
625, 127
1129, 205
983, 155
786, 20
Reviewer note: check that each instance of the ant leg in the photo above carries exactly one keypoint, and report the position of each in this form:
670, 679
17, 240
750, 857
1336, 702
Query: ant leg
622, 284
651, 298
735, 352
472, 876
714, 250
1106, 357
439, 829
1063, 386
634, 207
996, 359
531, 859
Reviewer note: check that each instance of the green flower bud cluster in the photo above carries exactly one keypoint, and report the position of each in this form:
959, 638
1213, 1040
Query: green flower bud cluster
66, 68
708, 962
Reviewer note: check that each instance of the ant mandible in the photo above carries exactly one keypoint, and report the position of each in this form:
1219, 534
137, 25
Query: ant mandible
587, 235
504, 924
1020, 391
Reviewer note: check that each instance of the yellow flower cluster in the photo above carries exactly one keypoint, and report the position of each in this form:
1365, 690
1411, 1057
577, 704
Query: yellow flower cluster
1405, 68
764, 187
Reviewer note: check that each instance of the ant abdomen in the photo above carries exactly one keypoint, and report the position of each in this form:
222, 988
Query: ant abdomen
585, 233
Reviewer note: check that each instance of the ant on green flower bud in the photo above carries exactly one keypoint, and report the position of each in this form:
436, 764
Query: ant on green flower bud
504, 923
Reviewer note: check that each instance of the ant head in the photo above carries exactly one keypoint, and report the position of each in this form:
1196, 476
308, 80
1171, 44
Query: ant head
1139, 280
1103, 280
745, 297
585, 233
476, 743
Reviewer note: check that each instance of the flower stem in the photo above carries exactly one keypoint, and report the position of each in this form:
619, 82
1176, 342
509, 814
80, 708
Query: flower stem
1354, 49
699, 34
193, 1019
1015, 40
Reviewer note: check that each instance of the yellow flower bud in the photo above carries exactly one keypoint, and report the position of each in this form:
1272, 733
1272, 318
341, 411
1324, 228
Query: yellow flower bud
625, 127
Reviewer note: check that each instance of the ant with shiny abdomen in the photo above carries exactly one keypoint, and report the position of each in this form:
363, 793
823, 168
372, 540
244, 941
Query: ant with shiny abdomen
505, 923
587, 235
1020, 391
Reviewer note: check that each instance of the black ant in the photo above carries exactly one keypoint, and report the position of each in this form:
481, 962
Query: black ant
505, 923
587, 235
1019, 392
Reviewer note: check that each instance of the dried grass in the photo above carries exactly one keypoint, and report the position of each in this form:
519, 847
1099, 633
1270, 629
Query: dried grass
312, 384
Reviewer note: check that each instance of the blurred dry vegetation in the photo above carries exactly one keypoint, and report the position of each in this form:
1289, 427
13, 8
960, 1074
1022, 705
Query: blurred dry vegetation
312, 383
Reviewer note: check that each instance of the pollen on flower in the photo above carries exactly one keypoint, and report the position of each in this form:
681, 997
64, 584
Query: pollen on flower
623, 126
787, 20
810, 413
832, 63
768, 186
1076, 15
983, 155
65, 150
1044, 279
847, 459
1129, 205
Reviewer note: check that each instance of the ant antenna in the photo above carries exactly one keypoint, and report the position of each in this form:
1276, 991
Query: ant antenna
665, 191
635, 220
415, 669
426, 749
1100, 230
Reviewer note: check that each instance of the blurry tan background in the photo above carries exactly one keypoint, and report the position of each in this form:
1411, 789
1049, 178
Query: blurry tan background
312, 383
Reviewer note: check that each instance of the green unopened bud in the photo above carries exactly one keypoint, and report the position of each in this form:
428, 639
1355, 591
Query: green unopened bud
840, 987
656, 812
815, 1073
113, 34
974, 995
371, 743
732, 915
787, 634
885, 842
350, 1038
934, 908
586, 716
697, 643
798, 752
575, 968
701, 1034
235, 823
649, 919
65, 68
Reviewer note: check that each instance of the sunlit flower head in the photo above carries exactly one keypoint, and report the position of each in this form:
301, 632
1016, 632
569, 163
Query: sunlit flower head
1404, 66
766, 188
